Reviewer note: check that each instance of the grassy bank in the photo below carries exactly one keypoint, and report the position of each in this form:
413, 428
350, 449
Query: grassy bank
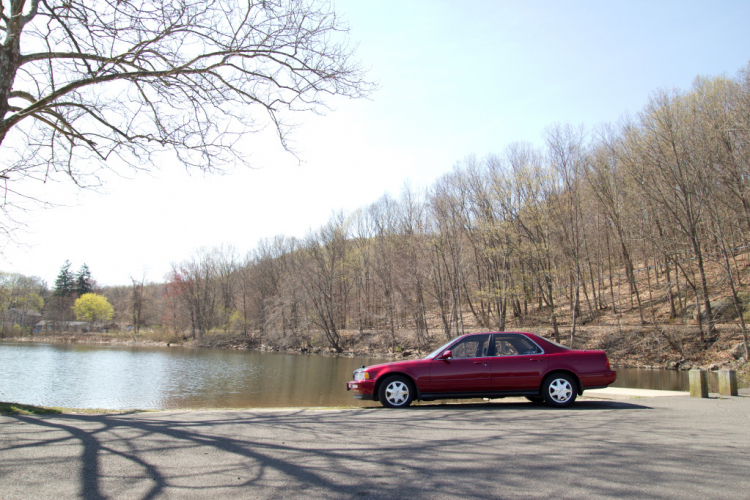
19, 409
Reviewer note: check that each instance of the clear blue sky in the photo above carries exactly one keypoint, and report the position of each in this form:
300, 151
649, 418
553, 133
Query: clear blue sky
456, 78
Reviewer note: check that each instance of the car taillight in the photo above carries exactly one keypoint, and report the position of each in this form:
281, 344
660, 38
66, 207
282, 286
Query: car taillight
606, 361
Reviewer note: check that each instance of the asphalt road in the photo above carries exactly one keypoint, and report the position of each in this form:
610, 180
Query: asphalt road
671, 447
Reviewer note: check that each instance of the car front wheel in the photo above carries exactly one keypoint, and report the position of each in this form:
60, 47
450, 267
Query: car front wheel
559, 390
396, 392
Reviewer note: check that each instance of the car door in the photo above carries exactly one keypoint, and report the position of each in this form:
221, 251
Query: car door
518, 363
467, 370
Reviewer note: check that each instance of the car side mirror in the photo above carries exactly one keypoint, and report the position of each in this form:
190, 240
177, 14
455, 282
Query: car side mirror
446, 355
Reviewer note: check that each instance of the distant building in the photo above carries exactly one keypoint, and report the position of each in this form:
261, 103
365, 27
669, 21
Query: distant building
62, 326
21, 317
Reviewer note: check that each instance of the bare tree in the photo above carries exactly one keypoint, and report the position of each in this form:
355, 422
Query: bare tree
412, 285
91, 85
321, 274
446, 207
382, 216
529, 210
566, 156
137, 301
226, 263
361, 267
666, 165
195, 285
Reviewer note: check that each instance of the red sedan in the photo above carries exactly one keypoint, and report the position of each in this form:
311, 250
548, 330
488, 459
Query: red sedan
487, 365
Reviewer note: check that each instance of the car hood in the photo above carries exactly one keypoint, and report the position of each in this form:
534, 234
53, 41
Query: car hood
395, 365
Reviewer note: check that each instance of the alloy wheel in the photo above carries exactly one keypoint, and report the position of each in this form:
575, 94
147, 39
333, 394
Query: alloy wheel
397, 392
560, 390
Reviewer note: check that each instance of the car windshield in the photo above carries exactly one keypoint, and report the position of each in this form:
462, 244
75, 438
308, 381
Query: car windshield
439, 349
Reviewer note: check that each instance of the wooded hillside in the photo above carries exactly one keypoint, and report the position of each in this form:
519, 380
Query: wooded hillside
643, 224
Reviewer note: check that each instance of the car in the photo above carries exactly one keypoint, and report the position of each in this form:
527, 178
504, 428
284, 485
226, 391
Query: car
487, 365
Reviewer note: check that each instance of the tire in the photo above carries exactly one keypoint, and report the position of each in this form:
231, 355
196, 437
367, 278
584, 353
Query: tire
559, 390
535, 399
396, 392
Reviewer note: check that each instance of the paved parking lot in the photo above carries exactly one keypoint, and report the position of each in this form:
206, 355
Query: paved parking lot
669, 447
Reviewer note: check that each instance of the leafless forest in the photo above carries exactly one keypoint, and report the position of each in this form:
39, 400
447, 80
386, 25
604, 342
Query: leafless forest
642, 223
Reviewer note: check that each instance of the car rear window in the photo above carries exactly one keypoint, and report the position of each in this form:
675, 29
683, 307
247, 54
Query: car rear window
556, 344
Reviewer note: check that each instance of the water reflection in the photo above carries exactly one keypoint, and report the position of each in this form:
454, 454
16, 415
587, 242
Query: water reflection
84, 376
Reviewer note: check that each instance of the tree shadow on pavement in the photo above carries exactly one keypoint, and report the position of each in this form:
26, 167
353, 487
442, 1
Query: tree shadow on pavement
488, 450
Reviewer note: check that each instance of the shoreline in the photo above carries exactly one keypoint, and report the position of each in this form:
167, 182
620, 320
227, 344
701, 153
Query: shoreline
609, 394
238, 343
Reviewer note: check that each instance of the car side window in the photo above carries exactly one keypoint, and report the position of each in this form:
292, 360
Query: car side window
471, 347
514, 345
504, 348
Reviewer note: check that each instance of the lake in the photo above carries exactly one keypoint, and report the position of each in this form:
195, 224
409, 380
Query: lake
88, 376
125, 377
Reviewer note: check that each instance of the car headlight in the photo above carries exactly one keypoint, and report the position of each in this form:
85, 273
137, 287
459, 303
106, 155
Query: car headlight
361, 374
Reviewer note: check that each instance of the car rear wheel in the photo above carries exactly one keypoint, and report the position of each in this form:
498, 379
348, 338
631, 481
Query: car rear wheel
396, 392
559, 389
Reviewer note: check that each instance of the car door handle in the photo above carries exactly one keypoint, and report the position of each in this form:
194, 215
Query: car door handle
480, 363
535, 360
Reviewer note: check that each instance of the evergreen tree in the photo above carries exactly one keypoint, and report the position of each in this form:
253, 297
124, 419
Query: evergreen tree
83, 282
64, 284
